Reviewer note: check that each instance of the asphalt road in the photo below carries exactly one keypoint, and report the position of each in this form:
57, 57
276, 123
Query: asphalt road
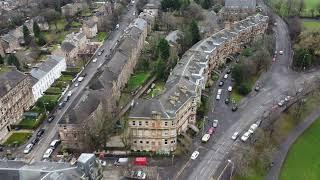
51, 129
277, 83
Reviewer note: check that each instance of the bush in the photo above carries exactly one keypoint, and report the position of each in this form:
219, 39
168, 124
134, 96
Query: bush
244, 88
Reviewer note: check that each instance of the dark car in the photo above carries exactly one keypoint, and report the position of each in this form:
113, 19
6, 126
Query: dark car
50, 119
1, 148
40, 132
228, 71
227, 101
35, 140
234, 107
221, 83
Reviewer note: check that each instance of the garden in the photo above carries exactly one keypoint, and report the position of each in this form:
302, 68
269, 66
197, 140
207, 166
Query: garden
17, 138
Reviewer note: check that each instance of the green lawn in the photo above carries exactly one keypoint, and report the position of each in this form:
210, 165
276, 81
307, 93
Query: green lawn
136, 80
101, 36
303, 160
28, 123
53, 90
65, 78
311, 4
310, 25
17, 138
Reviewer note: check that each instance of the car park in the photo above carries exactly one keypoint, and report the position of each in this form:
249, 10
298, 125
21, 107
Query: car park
55, 143
194, 155
48, 153
225, 76
235, 135
245, 136
215, 123
210, 131
221, 83
40, 132
50, 119
253, 128
230, 88
35, 140
28, 148
227, 101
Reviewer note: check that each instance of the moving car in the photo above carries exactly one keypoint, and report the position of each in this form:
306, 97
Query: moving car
50, 119
28, 148
40, 132
48, 153
215, 123
225, 76
235, 135
252, 128
94, 60
221, 83
230, 88
205, 138
245, 136
281, 52
194, 155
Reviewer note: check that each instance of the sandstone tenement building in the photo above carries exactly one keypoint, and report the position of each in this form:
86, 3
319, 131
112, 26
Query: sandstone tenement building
154, 124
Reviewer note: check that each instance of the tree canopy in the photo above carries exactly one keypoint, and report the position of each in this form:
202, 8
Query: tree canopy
26, 35
12, 60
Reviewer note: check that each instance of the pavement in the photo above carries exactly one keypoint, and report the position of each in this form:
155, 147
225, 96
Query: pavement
277, 83
51, 129
281, 154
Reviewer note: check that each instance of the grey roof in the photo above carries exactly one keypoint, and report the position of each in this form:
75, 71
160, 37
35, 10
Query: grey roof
173, 36
117, 62
241, 4
67, 46
188, 76
85, 157
87, 104
9, 80
103, 80
19, 170
45, 67
139, 23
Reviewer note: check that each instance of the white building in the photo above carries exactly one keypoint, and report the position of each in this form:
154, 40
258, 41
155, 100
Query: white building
45, 74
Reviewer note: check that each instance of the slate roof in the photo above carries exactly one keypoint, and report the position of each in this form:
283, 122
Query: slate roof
45, 67
139, 23
241, 4
12, 78
67, 46
187, 77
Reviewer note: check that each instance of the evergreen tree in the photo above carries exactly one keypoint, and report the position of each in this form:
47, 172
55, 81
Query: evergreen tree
41, 40
194, 31
36, 29
163, 49
12, 60
26, 35
160, 69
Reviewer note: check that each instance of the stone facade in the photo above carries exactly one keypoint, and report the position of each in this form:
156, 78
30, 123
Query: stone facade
15, 98
90, 28
72, 45
235, 10
155, 124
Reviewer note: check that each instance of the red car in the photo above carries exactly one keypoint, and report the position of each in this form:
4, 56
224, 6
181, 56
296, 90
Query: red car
211, 130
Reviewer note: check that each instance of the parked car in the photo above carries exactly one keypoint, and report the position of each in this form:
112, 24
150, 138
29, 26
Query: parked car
215, 123
257, 88
219, 91
234, 107
40, 132
210, 131
94, 60
76, 84
48, 153
194, 155
117, 26
245, 136
225, 76
221, 83
230, 88
235, 135
286, 99
218, 97
253, 128
227, 101
205, 138
80, 78
50, 119
281, 52
228, 71
281, 103
35, 140
27, 149
55, 143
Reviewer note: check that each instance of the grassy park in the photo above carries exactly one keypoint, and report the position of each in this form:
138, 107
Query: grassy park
303, 160
311, 25
137, 80
18, 138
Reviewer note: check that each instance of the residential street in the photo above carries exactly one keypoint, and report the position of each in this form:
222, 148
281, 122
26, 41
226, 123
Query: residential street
278, 82
91, 68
